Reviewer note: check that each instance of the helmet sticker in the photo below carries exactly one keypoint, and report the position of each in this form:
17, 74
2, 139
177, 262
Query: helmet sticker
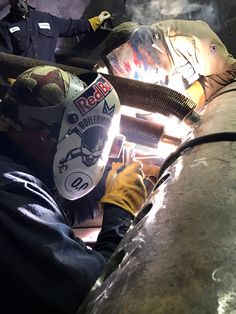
107, 110
89, 125
91, 98
77, 182
92, 144
87, 122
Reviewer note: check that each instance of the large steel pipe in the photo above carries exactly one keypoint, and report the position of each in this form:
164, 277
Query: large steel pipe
75, 61
179, 256
132, 93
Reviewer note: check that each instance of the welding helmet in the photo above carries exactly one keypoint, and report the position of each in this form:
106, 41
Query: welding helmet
82, 112
136, 52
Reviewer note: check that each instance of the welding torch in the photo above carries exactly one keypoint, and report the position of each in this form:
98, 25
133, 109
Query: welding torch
125, 152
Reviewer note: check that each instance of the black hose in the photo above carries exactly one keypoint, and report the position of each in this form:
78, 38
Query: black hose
209, 138
137, 94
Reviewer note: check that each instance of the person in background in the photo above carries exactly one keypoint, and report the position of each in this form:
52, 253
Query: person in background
30, 33
184, 55
55, 138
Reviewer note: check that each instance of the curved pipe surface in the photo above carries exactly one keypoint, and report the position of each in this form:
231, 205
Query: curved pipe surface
179, 256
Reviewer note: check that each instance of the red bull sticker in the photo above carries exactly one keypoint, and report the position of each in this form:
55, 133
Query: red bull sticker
77, 182
93, 96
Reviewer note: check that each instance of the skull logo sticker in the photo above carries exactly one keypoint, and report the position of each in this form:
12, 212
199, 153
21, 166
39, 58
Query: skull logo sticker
92, 144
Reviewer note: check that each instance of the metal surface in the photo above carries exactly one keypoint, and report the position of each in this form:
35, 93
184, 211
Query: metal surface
141, 131
132, 93
179, 256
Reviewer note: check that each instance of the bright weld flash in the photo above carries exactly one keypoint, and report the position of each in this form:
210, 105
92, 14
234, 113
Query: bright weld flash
172, 127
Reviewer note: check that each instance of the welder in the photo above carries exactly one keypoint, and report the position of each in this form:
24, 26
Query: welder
31, 33
184, 55
47, 160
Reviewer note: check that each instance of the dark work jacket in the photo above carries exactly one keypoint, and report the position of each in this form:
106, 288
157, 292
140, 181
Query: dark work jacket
36, 35
44, 268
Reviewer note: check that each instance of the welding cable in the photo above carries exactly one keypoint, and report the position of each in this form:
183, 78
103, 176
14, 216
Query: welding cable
209, 138
137, 94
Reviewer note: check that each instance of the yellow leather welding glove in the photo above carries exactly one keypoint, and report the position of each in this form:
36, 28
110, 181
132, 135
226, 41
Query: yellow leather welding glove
150, 170
197, 94
10, 81
125, 187
97, 21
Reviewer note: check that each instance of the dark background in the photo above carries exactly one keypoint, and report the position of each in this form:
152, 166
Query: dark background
220, 15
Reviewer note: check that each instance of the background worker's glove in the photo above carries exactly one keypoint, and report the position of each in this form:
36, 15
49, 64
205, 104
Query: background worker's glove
103, 16
10, 81
197, 94
97, 21
125, 187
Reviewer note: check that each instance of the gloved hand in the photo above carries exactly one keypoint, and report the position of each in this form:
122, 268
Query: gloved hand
10, 81
125, 187
97, 21
196, 93
103, 16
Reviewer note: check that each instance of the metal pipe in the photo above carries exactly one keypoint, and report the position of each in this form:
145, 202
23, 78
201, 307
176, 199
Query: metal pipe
145, 132
140, 131
75, 61
179, 256
12, 65
132, 93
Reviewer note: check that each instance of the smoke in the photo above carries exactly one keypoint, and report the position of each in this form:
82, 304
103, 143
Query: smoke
152, 11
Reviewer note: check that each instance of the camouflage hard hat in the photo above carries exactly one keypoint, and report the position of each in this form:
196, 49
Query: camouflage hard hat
82, 115
37, 95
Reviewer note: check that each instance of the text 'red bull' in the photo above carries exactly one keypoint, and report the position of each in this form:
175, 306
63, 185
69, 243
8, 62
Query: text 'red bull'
91, 97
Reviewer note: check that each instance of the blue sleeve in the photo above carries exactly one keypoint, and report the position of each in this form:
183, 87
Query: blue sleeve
5, 41
43, 261
70, 27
